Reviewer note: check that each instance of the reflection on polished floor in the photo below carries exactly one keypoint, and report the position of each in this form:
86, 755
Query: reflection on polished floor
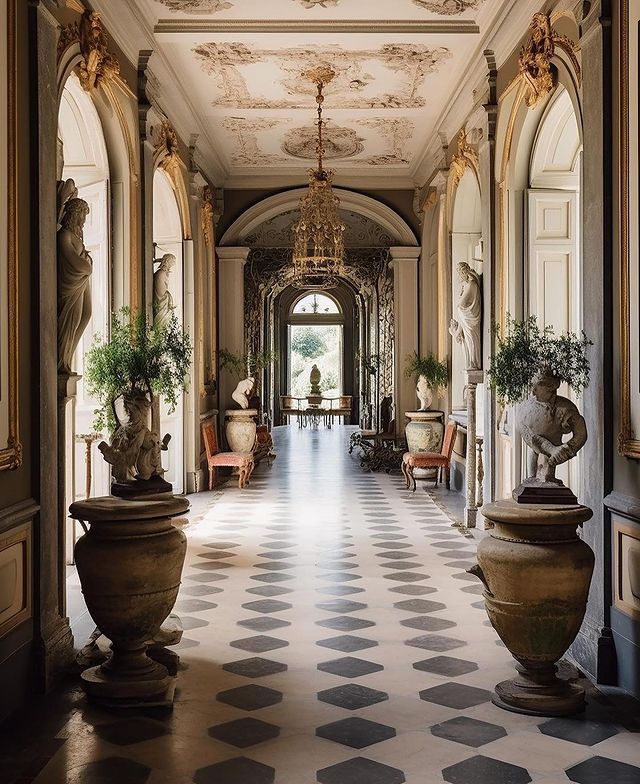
332, 635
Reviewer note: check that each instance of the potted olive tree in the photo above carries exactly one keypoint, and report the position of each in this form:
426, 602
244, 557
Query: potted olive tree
528, 367
131, 556
535, 568
141, 361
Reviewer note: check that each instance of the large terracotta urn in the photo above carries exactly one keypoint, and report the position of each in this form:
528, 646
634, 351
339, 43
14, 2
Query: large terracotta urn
240, 429
536, 572
130, 564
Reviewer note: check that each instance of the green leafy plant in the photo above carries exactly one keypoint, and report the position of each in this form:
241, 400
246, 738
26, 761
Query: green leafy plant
523, 350
435, 372
245, 365
308, 342
138, 357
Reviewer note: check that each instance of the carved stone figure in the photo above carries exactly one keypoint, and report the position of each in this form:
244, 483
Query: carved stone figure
467, 328
242, 392
314, 380
135, 450
544, 418
74, 275
424, 393
162, 299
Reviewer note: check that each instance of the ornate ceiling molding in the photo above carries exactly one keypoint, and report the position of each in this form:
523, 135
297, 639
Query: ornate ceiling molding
332, 26
165, 144
535, 58
448, 7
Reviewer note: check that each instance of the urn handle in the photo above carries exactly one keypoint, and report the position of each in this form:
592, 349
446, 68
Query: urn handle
476, 570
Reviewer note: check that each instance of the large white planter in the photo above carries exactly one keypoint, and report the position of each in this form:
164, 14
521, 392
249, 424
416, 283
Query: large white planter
424, 433
240, 429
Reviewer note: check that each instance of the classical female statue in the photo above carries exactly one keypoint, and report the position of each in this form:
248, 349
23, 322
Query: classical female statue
467, 328
162, 299
242, 392
74, 278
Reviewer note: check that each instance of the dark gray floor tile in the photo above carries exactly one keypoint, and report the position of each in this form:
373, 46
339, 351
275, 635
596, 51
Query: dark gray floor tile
360, 771
134, 729
259, 644
267, 606
414, 589
419, 606
347, 643
352, 696
339, 590
254, 667
579, 730
269, 590
455, 695
485, 770
356, 732
602, 770
239, 770
345, 624
350, 667
112, 769
407, 577
446, 665
470, 732
251, 697
263, 624
341, 606
245, 732
435, 642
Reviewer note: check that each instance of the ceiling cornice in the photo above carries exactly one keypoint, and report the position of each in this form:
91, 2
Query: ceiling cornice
129, 28
391, 26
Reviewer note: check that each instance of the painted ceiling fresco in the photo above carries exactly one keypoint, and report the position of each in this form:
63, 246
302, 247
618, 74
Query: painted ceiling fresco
242, 65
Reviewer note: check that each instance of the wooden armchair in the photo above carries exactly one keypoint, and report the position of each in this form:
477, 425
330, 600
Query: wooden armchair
289, 406
343, 407
440, 460
243, 461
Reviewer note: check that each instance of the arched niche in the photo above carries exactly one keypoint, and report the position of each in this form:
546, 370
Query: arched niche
116, 107
532, 144
168, 239
83, 157
466, 246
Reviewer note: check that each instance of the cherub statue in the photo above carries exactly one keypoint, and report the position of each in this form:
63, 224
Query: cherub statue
135, 451
74, 274
544, 418
242, 392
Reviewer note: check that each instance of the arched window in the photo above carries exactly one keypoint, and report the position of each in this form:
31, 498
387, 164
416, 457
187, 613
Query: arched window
315, 303
83, 158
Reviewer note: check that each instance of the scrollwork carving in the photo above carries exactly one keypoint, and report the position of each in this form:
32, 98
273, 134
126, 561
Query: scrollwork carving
207, 215
465, 157
166, 143
535, 58
99, 64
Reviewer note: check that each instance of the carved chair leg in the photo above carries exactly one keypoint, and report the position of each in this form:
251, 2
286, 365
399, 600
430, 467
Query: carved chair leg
211, 483
404, 473
448, 477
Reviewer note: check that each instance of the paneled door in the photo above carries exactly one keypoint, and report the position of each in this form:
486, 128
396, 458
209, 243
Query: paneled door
554, 277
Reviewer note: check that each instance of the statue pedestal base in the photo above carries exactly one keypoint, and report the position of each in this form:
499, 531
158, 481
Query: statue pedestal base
532, 491
536, 572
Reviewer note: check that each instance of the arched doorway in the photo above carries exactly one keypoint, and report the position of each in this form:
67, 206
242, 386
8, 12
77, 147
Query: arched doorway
315, 336
83, 158
167, 239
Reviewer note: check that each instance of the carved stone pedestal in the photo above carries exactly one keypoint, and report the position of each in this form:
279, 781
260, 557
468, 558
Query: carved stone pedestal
474, 377
536, 572
130, 562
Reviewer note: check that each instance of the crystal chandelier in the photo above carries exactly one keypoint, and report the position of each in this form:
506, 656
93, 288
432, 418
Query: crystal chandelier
318, 234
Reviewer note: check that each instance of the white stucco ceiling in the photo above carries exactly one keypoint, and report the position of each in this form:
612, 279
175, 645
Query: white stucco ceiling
239, 63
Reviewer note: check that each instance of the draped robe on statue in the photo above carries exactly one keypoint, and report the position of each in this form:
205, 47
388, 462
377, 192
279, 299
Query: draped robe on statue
74, 294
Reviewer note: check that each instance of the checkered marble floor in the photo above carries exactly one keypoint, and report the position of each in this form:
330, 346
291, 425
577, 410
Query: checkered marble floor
333, 635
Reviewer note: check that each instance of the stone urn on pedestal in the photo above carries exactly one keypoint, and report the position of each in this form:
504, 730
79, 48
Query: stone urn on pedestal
535, 569
130, 557
425, 429
240, 427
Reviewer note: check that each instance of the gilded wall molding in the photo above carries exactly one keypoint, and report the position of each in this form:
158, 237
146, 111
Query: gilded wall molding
10, 446
535, 58
98, 65
465, 158
206, 215
165, 144
628, 439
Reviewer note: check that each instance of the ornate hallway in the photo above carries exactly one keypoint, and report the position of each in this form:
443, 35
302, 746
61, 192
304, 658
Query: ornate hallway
332, 634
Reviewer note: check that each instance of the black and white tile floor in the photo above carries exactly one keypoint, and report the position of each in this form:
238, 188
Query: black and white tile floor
332, 635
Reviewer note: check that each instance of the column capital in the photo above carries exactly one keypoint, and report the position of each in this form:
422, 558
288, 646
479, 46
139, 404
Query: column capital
405, 252
233, 253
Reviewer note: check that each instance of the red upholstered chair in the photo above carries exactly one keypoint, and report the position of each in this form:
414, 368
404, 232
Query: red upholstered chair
440, 460
243, 461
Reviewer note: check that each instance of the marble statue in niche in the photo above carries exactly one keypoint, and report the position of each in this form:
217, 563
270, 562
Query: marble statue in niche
467, 328
74, 267
242, 393
162, 298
